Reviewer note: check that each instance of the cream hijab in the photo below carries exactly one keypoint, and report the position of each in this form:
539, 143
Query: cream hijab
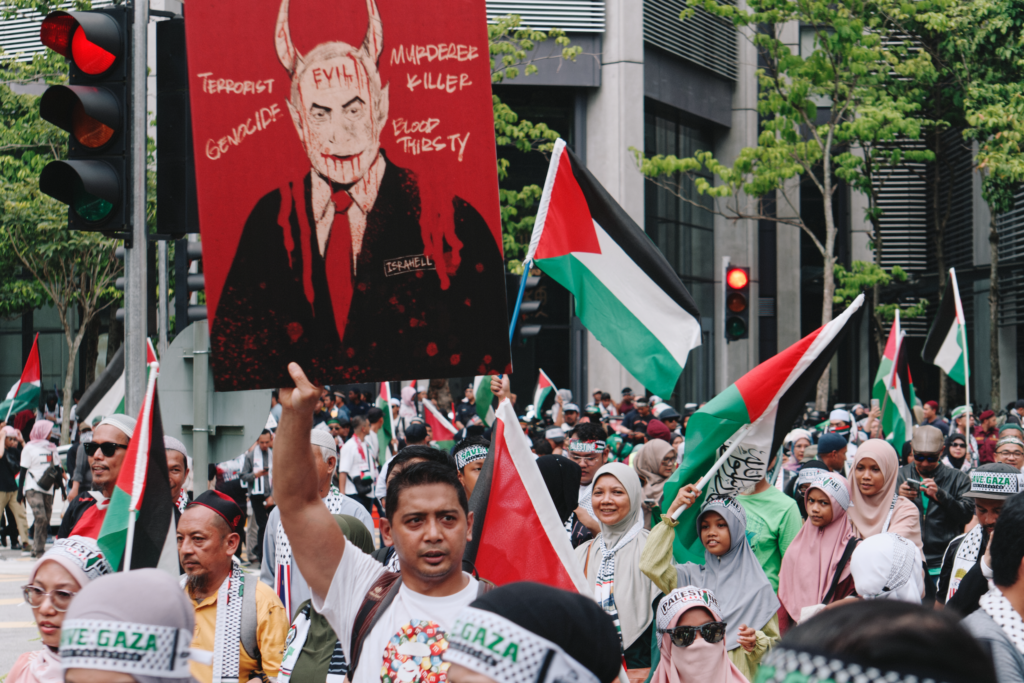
870, 514
634, 592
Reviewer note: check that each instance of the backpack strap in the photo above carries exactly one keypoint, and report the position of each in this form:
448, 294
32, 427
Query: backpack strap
380, 596
483, 586
847, 554
249, 618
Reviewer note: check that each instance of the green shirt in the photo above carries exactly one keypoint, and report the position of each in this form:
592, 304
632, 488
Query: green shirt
773, 521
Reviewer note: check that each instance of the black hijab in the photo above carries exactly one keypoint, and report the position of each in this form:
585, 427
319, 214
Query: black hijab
794, 492
562, 477
955, 462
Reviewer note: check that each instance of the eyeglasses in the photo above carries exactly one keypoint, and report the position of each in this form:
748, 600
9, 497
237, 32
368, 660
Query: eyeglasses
108, 448
578, 459
60, 599
683, 636
1016, 454
957, 444
926, 457
670, 460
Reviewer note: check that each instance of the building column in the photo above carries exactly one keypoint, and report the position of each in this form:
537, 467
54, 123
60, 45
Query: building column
615, 122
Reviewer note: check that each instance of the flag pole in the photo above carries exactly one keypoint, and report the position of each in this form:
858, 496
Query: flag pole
967, 372
737, 440
519, 300
145, 438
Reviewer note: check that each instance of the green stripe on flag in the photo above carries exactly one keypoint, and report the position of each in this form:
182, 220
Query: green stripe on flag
27, 399
114, 534
706, 432
625, 337
484, 399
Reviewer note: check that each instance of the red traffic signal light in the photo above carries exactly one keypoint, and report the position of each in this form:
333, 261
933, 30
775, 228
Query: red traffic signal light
737, 278
92, 41
92, 115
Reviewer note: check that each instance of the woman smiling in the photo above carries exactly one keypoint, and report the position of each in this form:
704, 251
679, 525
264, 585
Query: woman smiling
875, 507
611, 562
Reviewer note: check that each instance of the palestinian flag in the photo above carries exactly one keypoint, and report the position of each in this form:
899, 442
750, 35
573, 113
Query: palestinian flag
27, 391
105, 396
894, 390
386, 433
515, 518
139, 517
484, 398
442, 431
626, 292
769, 398
946, 345
545, 387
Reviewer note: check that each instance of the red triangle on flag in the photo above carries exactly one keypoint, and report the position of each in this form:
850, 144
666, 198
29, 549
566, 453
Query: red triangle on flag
522, 538
567, 225
759, 386
32, 374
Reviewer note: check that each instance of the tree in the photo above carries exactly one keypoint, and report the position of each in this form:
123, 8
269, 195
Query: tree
74, 271
832, 115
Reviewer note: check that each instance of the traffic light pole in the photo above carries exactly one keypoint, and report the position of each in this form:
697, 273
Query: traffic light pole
135, 315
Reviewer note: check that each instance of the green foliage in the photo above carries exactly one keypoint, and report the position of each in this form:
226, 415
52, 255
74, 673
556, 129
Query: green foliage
510, 45
863, 277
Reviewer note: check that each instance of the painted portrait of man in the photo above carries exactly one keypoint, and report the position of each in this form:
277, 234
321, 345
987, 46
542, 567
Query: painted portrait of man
357, 270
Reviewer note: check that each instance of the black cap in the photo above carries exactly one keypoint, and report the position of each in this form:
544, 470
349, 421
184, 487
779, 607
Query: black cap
415, 432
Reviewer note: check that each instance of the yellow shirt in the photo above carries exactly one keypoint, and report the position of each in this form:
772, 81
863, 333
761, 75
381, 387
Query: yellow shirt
271, 630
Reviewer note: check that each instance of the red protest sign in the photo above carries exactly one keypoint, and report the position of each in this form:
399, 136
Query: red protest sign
347, 187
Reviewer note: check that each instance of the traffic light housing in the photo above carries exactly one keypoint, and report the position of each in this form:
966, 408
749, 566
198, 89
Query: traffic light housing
185, 283
95, 109
737, 303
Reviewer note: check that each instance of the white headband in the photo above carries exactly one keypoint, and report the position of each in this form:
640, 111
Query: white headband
470, 454
829, 484
587, 446
491, 645
680, 598
134, 649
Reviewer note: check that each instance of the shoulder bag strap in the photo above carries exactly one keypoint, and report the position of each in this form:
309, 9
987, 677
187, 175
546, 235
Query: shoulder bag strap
380, 596
847, 554
249, 618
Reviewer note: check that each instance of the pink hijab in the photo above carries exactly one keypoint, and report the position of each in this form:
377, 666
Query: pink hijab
868, 514
812, 558
702, 661
40, 434
408, 407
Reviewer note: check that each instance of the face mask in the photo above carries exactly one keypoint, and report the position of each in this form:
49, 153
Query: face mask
86, 437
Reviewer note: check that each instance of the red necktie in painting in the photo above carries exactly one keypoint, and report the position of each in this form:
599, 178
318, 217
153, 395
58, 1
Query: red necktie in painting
338, 261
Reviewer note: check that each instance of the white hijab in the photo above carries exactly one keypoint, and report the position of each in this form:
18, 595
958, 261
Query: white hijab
887, 567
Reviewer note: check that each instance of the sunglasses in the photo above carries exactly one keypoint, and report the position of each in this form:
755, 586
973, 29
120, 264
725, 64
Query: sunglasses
683, 636
926, 457
107, 447
60, 599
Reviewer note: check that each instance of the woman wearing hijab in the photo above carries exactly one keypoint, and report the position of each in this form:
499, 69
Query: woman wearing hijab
875, 507
52, 585
36, 458
611, 562
797, 488
691, 639
954, 455
816, 567
888, 567
655, 464
732, 572
531, 633
140, 606
562, 478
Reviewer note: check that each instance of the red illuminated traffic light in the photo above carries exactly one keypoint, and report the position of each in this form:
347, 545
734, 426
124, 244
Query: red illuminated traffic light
737, 303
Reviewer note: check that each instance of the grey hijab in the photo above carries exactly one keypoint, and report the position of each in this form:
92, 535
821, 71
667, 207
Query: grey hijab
736, 578
147, 597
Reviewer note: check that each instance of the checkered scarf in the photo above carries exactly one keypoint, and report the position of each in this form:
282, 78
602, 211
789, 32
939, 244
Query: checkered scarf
229, 625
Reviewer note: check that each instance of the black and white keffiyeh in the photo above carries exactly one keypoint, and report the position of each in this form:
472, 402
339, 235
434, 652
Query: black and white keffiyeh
283, 552
783, 665
995, 604
605, 589
229, 624
182, 501
966, 557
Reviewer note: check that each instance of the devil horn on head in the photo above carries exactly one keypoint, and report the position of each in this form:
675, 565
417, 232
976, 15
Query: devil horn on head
286, 52
373, 44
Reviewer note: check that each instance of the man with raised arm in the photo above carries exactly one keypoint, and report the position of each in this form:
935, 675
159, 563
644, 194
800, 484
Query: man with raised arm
382, 619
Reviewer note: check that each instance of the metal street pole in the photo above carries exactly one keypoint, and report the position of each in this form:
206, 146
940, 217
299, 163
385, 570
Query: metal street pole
135, 318
200, 411
162, 314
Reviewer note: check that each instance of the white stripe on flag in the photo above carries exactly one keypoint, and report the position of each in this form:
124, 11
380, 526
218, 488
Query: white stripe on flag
950, 351
666, 320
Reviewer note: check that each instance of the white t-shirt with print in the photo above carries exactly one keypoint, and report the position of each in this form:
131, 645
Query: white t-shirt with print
350, 462
410, 630
36, 459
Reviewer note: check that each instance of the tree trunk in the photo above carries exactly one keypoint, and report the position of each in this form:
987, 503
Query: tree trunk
90, 351
441, 393
993, 311
879, 327
829, 287
115, 333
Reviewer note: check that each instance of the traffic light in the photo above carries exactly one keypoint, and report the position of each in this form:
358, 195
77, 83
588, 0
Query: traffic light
527, 308
151, 293
95, 109
185, 283
737, 303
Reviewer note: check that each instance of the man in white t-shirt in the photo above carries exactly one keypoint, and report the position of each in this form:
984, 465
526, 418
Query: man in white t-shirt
354, 461
428, 523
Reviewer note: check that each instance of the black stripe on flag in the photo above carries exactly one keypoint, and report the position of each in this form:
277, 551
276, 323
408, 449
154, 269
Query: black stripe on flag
903, 372
101, 385
634, 241
945, 318
156, 509
791, 403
